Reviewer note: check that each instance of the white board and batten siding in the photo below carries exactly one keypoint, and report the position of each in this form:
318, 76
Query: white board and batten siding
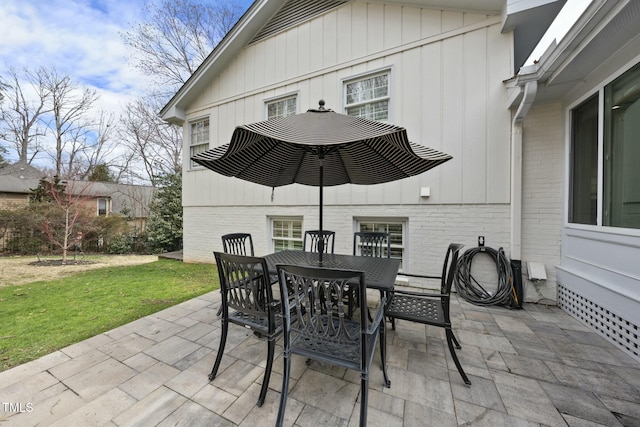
446, 74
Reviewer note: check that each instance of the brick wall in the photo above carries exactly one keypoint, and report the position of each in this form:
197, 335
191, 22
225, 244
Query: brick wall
542, 175
430, 228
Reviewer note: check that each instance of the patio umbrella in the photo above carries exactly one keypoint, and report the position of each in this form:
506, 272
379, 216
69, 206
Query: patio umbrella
320, 148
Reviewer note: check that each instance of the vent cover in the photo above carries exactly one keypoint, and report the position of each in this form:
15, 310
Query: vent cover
614, 328
295, 12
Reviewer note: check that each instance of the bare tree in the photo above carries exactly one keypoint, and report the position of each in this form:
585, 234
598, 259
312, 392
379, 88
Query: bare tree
177, 37
25, 97
153, 144
65, 212
70, 106
93, 148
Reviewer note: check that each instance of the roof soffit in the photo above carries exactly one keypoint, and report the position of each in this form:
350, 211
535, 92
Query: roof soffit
605, 28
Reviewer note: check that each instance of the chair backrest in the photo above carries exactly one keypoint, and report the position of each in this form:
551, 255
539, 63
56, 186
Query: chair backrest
314, 240
245, 285
449, 267
238, 244
372, 243
315, 298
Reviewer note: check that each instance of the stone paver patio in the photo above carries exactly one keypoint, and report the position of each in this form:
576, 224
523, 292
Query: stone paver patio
531, 367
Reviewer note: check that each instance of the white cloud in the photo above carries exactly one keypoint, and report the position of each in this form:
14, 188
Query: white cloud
80, 38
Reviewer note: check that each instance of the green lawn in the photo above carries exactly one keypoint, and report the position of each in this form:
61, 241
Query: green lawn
41, 317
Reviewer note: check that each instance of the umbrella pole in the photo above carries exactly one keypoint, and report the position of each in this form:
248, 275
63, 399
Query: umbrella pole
321, 234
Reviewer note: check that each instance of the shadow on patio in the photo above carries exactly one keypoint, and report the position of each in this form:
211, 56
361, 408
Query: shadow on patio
531, 367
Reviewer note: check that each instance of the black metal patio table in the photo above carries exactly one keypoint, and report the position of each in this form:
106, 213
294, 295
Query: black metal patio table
379, 273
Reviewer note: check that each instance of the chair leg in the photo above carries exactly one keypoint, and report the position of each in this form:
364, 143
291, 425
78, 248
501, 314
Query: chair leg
383, 353
455, 341
450, 340
285, 389
364, 399
267, 373
223, 341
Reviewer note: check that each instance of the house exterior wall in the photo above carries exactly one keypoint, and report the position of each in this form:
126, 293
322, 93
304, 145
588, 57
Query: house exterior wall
13, 200
599, 273
447, 70
542, 166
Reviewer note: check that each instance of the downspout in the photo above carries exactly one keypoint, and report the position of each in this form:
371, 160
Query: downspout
529, 94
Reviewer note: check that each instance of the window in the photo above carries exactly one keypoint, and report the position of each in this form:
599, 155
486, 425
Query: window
286, 233
280, 108
619, 123
102, 206
368, 97
199, 139
395, 229
584, 163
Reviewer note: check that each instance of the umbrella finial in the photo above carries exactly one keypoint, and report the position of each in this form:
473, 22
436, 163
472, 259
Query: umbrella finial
321, 108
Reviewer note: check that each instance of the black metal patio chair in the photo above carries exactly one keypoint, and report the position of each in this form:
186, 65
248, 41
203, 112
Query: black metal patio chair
317, 327
247, 300
430, 308
372, 243
238, 244
327, 241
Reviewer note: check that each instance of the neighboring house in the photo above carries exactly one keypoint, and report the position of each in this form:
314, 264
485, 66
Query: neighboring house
132, 201
450, 72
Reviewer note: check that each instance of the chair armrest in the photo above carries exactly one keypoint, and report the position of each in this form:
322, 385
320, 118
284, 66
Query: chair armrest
422, 276
377, 318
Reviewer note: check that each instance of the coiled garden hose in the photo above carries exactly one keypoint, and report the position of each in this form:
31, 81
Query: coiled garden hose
472, 291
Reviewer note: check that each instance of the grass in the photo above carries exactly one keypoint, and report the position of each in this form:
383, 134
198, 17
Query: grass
41, 317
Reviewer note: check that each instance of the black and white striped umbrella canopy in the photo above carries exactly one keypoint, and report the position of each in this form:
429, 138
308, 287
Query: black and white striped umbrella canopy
286, 151
320, 148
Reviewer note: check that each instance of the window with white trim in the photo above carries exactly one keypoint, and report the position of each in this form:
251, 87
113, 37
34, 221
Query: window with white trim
199, 139
103, 206
286, 233
603, 189
368, 97
282, 107
394, 228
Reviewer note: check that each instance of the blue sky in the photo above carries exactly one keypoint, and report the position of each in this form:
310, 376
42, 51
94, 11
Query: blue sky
78, 37
82, 38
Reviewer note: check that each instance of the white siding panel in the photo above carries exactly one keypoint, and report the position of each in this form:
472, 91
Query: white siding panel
303, 53
374, 26
431, 22
474, 164
408, 107
392, 28
498, 158
269, 61
410, 24
258, 51
291, 59
344, 32
431, 114
451, 20
359, 30
316, 46
452, 125
280, 56
329, 39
